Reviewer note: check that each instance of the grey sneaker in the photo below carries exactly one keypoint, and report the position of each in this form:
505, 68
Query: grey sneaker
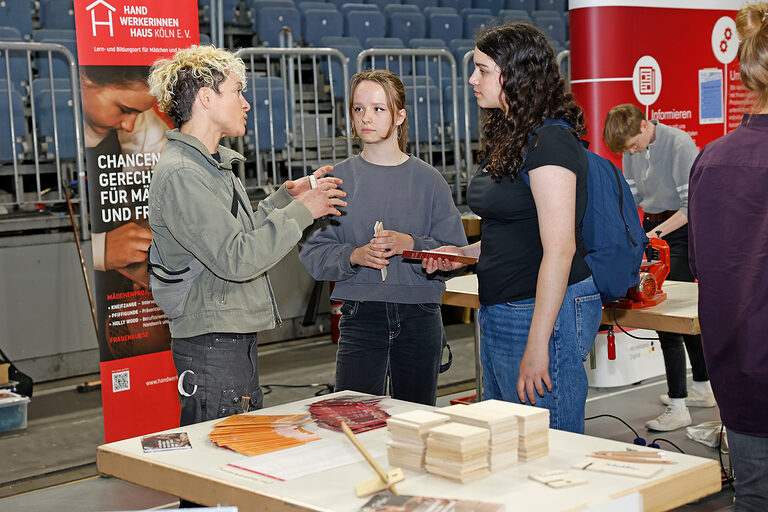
670, 419
693, 400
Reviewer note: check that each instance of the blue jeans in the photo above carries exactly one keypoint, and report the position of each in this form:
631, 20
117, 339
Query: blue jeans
218, 370
504, 335
384, 340
749, 459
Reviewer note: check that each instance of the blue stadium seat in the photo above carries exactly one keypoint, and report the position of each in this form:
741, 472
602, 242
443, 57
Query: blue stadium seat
493, 5
406, 26
320, 23
552, 5
459, 5
435, 67
17, 61
59, 62
273, 19
552, 24
474, 23
205, 40
258, 94
64, 127
338, 3
17, 14
429, 11
474, 10
567, 21
335, 41
525, 5
444, 26
303, 6
364, 24
390, 9
421, 4
515, 15
423, 104
358, 6
473, 110
257, 5
459, 48
401, 67
382, 3
57, 14
234, 16
11, 114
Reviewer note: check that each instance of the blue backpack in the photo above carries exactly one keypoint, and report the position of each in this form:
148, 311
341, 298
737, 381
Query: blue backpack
613, 235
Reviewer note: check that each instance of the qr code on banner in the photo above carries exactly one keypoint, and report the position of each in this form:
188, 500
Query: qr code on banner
121, 381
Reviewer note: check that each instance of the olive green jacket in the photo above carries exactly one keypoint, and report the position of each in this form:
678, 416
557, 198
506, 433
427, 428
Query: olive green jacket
190, 200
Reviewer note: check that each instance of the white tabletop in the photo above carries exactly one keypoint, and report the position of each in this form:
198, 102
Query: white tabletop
197, 475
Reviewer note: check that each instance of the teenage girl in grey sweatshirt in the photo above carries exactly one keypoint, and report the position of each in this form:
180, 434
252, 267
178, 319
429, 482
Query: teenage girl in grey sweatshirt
391, 327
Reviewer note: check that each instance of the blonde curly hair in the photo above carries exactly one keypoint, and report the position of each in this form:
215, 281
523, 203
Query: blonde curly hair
175, 81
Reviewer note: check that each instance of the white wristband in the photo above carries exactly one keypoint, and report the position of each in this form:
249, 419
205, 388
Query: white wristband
312, 181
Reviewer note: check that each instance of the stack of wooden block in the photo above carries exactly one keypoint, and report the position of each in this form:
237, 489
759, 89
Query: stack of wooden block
408, 433
458, 451
502, 425
532, 423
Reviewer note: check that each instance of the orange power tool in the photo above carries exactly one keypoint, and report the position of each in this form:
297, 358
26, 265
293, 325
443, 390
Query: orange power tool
653, 272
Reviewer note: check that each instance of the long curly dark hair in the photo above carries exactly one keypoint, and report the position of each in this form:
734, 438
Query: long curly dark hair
533, 91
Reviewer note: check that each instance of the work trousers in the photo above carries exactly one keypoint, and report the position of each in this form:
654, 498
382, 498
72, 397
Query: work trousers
382, 341
673, 345
216, 371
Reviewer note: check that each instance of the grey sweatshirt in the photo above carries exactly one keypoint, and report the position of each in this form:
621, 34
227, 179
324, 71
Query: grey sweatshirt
658, 176
411, 198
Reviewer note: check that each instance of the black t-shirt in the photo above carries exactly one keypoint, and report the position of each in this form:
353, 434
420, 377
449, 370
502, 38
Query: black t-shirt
511, 249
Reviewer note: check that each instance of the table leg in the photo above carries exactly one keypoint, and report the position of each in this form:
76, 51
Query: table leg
478, 364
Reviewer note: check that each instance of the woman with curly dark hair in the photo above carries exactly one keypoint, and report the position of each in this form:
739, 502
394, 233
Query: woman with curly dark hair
540, 308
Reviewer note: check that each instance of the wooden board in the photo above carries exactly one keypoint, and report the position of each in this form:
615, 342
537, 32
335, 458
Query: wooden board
679, 313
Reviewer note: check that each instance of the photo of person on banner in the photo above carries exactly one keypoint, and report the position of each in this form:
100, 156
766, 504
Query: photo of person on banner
124, 137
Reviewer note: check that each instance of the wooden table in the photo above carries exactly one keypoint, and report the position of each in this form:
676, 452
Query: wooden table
197, 475
679, 313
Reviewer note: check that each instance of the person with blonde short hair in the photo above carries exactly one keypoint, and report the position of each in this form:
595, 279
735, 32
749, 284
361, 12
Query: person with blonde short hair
656, 160
728, 255
211, 251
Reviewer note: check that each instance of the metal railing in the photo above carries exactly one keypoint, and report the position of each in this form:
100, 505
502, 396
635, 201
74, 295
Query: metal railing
321, 98
27, 135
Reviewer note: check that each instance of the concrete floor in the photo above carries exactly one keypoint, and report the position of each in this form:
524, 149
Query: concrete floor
50, 466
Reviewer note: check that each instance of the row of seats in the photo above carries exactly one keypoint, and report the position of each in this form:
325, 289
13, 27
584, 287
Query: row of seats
51, 98
52, 14
405, 22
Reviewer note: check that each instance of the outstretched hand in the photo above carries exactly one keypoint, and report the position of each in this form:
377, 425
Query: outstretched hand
301, 185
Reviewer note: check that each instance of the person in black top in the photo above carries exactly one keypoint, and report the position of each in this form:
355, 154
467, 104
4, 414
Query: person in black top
540, 308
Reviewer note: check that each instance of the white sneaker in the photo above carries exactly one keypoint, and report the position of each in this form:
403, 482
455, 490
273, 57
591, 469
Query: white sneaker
670, 419
693, 400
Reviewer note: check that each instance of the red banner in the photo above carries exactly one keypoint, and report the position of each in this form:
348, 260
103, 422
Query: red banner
124, 135
133, 32
674, 59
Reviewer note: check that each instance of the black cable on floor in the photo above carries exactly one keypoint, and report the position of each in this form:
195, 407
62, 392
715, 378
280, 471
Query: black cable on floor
616, 418
324, 387
666, 441
727, 476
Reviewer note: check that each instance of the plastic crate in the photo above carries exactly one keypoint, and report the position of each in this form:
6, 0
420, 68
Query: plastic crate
13, 411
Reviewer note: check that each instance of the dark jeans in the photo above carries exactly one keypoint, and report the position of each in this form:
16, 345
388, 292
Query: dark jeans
216, 370
384, 340
673, 345
748, 458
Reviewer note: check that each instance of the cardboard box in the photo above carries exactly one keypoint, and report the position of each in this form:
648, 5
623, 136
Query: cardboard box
4, 367
13, 411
